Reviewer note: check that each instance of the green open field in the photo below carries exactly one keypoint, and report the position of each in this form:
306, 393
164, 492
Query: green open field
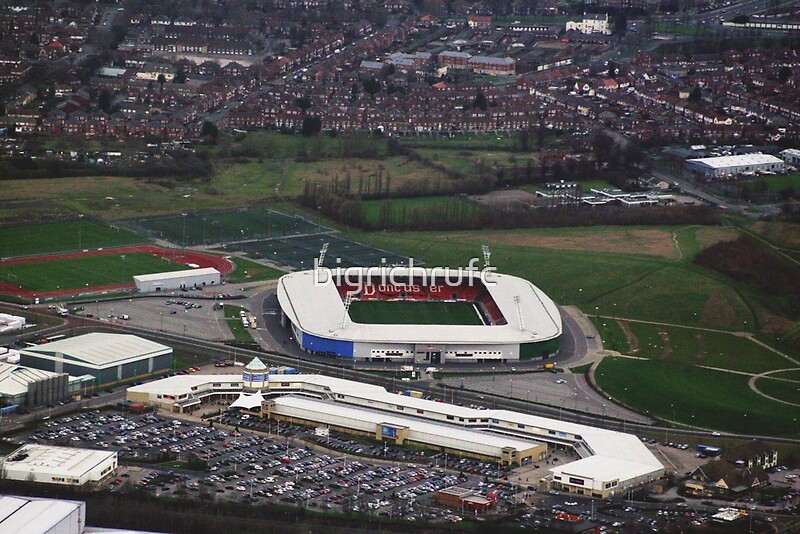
778, 183
619, 272
240, 333
700, 397
788, 391
698, 347
410, 312
67, 236
611, 333
80, 272
250, 271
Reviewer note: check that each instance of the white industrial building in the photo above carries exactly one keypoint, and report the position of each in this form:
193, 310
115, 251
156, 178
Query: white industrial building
167, 281
31, 515
610, 462
747, 164
108, 357
59, 465
9, 323
791, 156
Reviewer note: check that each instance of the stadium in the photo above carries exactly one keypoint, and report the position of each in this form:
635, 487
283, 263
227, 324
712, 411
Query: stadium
424, 316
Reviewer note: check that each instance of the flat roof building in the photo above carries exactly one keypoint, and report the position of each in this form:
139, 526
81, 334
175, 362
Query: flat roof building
30, 515
195, 278
59, 465
610, 462
108, 357
720, 166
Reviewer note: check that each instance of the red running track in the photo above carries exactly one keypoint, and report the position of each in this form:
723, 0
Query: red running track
201, 259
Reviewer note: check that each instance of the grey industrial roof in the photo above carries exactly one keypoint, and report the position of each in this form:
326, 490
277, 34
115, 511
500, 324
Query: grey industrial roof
101, 349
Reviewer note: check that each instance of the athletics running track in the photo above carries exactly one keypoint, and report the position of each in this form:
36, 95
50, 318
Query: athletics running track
173, 255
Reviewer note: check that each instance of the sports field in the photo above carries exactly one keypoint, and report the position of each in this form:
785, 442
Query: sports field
67, 236
410, 312
243, 224
85, 271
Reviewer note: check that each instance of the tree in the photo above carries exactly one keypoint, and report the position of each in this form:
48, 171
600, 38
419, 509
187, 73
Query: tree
311, 126
696, 95
620, 23
612, 69
480, 101
209, 130
180, 76
104, 100
303, 103
372, 86
162, 80
784, 74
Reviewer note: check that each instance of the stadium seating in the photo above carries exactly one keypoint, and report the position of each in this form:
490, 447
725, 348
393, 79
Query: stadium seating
475, 293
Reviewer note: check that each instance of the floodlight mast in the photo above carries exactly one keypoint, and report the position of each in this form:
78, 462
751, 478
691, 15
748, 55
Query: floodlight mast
519, 312
322, 252
347, 301
486, 255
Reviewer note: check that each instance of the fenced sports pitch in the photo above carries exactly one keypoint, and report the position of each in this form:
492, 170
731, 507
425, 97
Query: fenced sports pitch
299, 252
222, 227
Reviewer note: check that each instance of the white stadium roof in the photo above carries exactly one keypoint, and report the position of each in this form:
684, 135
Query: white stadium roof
723, 162
101, 349
312, 302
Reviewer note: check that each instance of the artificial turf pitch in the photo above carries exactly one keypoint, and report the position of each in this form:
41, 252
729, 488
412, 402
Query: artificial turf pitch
414, 312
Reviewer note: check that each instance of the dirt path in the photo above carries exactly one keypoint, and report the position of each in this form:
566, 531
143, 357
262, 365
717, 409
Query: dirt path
630, 337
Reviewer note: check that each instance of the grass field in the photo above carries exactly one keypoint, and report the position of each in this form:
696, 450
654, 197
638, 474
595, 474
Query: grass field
611, 333
788, 391
62, 237
409, 312
619, 282
696, 397
778, 183
697, 347
250, 271
80, 272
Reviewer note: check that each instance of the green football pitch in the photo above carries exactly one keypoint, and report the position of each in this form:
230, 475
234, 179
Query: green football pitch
67, 236
86, 271
413, 312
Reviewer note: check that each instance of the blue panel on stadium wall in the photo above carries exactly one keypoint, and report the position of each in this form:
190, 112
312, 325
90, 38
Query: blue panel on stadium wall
328, 346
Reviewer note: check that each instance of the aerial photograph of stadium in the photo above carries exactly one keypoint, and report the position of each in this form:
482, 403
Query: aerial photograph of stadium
404, 267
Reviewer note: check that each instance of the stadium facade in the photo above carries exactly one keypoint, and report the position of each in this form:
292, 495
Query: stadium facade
516, 319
